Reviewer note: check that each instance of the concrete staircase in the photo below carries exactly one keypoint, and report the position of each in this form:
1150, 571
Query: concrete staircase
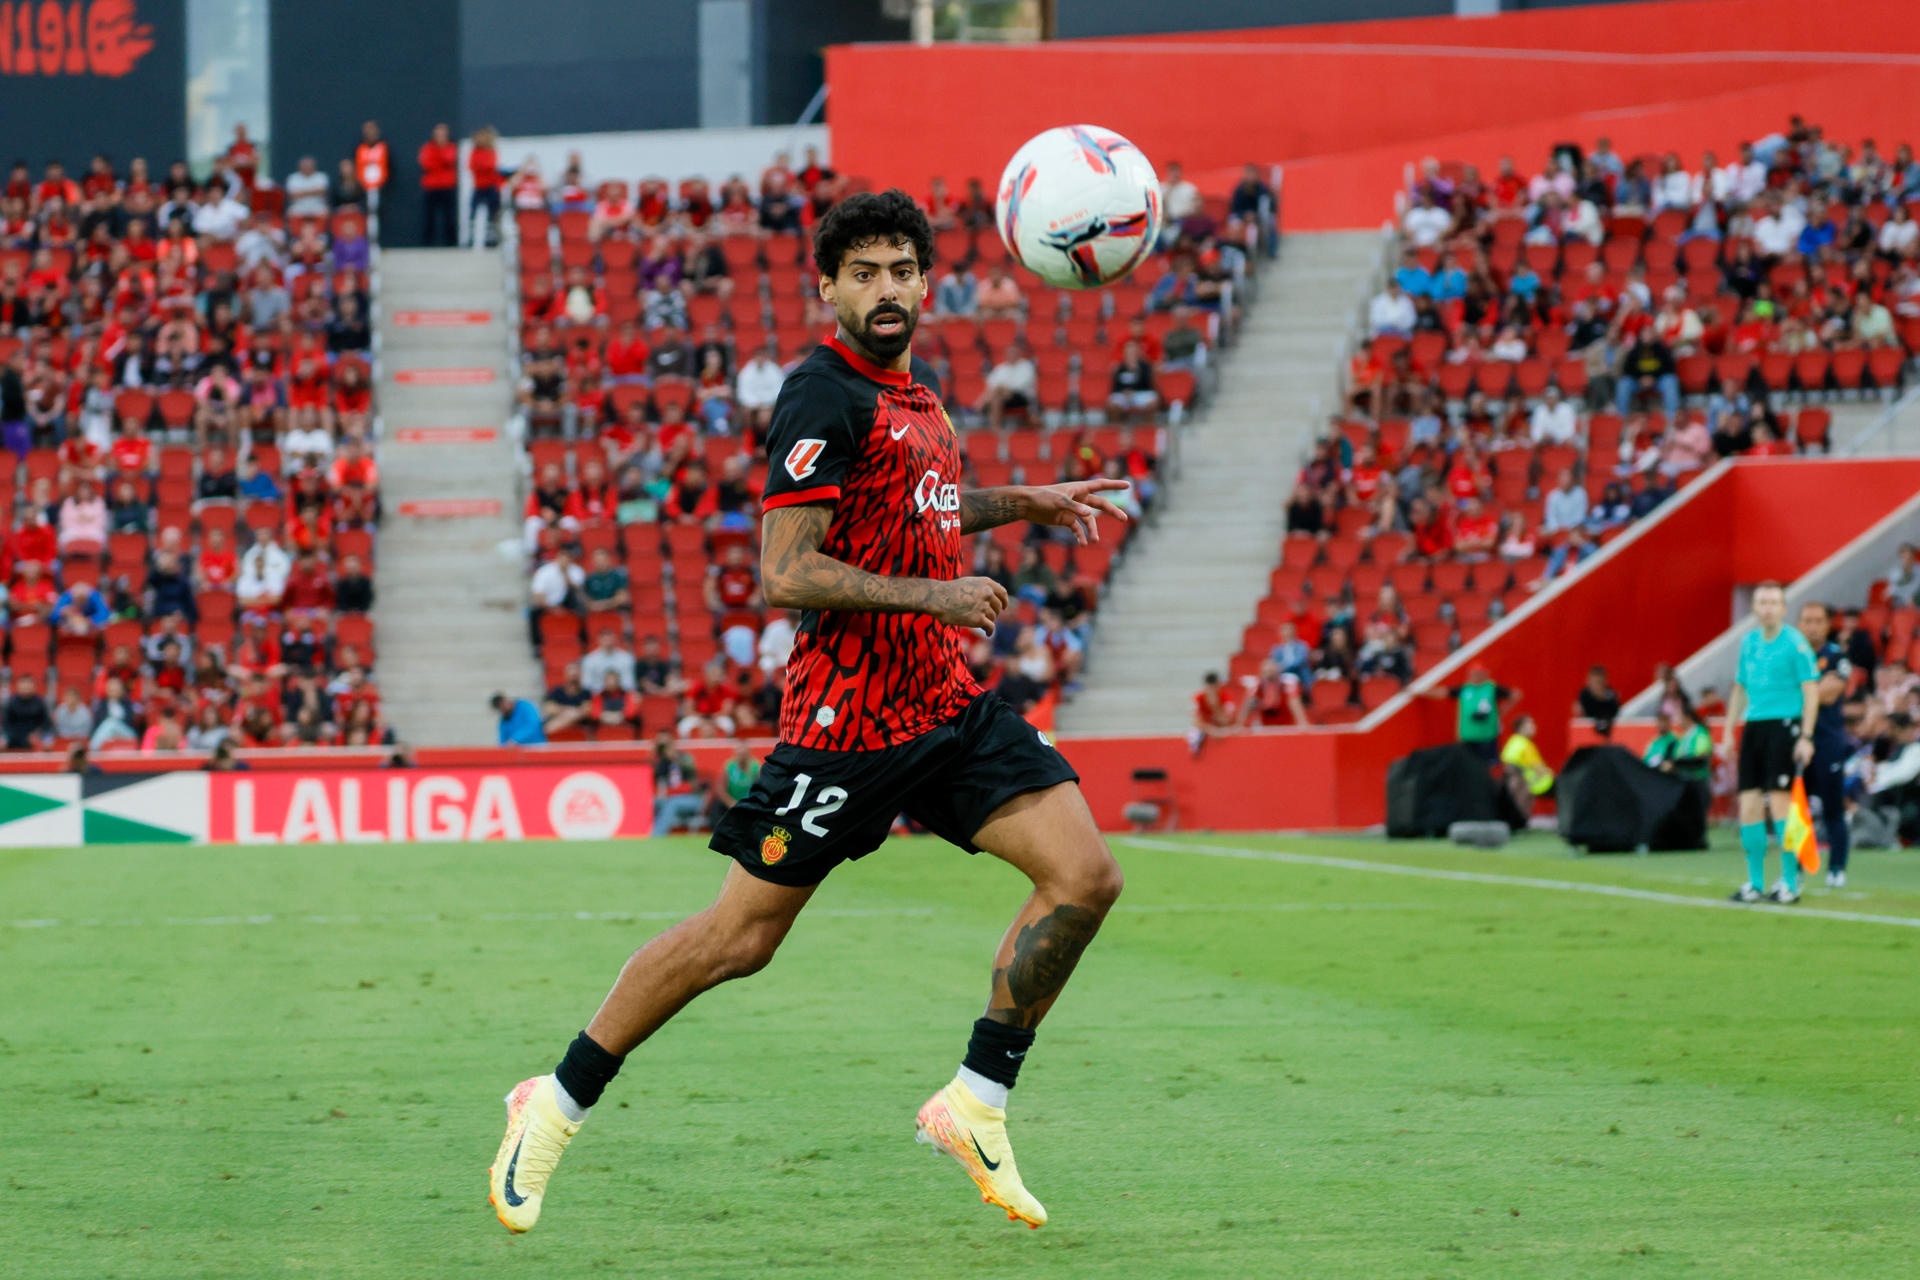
448, 614
1176, 607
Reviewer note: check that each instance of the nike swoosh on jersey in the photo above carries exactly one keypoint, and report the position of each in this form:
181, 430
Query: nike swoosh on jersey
904, 428
991, 1164
514, 1198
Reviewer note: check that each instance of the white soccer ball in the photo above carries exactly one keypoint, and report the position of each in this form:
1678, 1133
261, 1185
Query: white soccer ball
1079, 206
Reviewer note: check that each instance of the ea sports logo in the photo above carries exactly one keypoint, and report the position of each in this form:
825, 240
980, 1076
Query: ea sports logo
585, 806
931, 495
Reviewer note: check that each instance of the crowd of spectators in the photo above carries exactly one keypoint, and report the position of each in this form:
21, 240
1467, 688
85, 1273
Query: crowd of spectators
1554, 356
186, 414
657, 329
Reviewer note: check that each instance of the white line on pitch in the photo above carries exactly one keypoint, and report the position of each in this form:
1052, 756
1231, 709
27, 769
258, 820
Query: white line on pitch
1520, 882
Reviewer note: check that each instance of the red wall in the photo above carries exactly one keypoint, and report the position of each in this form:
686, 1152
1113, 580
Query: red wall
1346, 106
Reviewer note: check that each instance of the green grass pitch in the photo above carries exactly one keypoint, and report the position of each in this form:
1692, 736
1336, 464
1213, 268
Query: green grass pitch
255, 1062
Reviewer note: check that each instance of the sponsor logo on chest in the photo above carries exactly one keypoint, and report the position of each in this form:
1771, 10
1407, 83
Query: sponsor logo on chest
939, 498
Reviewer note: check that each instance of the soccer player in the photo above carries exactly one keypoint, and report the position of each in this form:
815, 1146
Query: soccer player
1827, 774
865, 530
1775, 691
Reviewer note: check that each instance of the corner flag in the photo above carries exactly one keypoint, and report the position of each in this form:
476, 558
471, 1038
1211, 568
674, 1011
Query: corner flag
1798, 838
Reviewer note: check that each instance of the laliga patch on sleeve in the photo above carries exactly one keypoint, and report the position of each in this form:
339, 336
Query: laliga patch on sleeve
802, 458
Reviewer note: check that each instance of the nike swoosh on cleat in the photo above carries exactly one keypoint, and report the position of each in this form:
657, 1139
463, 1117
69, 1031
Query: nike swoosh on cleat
513, 1197
991, 1164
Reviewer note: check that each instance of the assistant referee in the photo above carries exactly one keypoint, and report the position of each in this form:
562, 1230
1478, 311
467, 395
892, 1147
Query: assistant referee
1776, 694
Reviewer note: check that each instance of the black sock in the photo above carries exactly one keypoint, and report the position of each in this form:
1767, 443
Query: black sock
586, 1070
996, 1050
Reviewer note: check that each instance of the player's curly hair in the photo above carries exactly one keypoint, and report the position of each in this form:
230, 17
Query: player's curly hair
889, 217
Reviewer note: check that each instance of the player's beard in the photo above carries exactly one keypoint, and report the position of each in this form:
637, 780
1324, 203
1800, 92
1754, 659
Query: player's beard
886, 347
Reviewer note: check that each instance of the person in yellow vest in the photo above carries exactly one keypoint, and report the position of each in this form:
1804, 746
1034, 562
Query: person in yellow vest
1527, 775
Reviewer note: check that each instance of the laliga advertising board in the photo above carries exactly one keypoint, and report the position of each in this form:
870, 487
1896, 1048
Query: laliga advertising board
367, 806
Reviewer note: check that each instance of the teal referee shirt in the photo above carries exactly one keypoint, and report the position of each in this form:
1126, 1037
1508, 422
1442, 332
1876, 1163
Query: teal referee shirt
1773, 671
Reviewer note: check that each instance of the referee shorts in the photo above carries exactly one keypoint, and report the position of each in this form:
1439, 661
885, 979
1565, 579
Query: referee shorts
1766, 755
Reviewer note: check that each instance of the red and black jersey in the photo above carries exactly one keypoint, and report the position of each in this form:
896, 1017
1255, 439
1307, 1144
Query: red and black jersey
879, 447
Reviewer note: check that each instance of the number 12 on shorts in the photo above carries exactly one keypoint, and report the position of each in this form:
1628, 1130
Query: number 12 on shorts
830, 799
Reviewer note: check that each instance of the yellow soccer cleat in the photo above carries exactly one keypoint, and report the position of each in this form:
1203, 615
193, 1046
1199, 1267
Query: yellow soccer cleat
537, 1134
975, 1134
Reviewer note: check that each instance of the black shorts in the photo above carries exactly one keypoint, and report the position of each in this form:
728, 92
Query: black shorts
1766, 755
812, 810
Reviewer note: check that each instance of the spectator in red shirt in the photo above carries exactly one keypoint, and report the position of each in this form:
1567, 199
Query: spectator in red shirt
483, 167
439, 188
1468, 477
594, 499
690, 499
1211, 713
218, 564
31, 597
1275, 698
1476, 532
1432, 538
614, 706
1363, 481
56, 185
732, 585
627, 353
1768, 445
309, 592
707, 707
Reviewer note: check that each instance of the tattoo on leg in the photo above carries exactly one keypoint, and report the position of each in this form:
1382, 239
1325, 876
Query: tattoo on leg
1044, 955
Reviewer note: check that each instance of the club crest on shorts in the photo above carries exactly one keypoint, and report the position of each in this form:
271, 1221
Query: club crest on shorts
774, 847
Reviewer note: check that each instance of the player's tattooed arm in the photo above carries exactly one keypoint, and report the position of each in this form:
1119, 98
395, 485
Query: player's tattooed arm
796, 574
991, 508
1075, 505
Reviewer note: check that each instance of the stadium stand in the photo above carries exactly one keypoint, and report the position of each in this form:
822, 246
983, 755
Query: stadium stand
185, 400
656, 324
1556, 355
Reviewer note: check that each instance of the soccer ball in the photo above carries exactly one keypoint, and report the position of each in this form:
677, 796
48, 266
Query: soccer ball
1079, 206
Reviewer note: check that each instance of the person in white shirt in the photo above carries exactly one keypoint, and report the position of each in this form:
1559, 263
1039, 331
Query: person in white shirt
1713, 184
757, 386
1012, 384
556, 580
776, 643
219, 217
306, 189
1748, 176
1426, 223
1776, 234
607, 656
1583, 220
1898, 234
553, 586
1391, 311
1673, 189
1180, 198
260, 244
1566, 508
1508, 346
300, 443
263, 572
1553, 420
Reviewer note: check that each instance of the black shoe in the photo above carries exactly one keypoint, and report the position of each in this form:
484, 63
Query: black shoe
1746, 893
1783, 896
